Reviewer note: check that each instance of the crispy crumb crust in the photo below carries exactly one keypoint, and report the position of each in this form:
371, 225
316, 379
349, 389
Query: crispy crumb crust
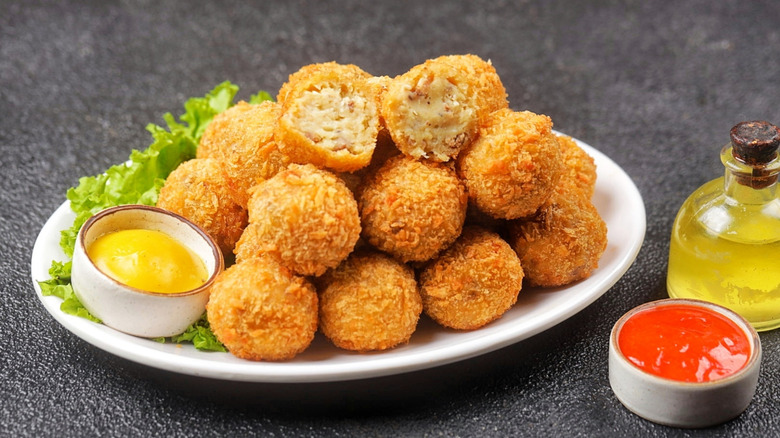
241, 137
308, 71
260, 310
201, 191
369, 302
512, 168
473, 282
305, 221
563, 242
484, 83
430, 111
579, 167
412, 209
305, 217
330, 117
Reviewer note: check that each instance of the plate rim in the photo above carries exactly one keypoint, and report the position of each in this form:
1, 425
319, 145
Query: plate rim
386, 364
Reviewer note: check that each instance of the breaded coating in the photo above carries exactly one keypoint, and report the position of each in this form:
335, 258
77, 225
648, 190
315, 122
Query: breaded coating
385, 147
249, 245
512, 168
305, 217
356, 202
380, 84
261, 311
563, 242
579, 167
311, 70
430, 111
242, 139
484, 83
369, 302
330, 118
473, 282
412, 209
201, 191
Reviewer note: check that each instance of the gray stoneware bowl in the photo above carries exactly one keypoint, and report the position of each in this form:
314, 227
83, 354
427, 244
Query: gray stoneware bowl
684, 404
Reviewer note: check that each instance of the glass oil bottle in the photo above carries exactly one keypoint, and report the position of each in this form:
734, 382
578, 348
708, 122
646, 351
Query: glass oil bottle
725, 244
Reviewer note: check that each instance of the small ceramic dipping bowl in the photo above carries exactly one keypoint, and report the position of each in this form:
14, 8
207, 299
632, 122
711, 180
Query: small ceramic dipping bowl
131, 310
684, 363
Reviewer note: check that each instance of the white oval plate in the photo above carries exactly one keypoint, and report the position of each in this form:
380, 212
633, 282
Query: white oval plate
616, 198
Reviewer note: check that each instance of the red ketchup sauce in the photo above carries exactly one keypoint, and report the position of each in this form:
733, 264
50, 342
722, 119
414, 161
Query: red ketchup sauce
684, 343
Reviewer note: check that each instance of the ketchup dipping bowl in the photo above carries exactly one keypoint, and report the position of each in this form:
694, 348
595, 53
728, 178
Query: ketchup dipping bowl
137, 310
684, 363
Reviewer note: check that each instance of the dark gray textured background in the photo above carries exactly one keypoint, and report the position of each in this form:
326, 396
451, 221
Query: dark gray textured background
654, 85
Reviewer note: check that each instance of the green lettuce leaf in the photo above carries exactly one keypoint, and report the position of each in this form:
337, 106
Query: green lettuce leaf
138, 181
261, 96
59, 286
200, 335
198, 111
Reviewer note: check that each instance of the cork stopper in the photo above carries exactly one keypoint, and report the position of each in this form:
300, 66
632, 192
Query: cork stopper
755, 143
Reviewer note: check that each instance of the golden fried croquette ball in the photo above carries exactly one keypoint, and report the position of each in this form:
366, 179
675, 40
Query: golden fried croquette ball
430, 111
563, 242
305, 217
249, 245
260, 310
512, 168
379, 83
484, 83
312, 70
473, 282
201, 191
241, 137
579, 168
412, 209
330, 118
369, 302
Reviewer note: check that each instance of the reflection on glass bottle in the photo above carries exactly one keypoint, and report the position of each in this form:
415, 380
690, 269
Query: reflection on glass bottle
725, 245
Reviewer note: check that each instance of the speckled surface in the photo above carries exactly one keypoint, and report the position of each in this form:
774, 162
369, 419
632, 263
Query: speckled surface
654, 85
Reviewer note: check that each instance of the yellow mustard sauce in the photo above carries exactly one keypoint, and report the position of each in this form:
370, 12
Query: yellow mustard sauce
148, 260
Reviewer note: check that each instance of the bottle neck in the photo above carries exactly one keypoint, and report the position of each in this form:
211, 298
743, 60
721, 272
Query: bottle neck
747, 184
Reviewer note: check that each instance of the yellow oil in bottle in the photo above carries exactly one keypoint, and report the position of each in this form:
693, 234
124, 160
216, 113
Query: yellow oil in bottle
734, 263
725, 243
